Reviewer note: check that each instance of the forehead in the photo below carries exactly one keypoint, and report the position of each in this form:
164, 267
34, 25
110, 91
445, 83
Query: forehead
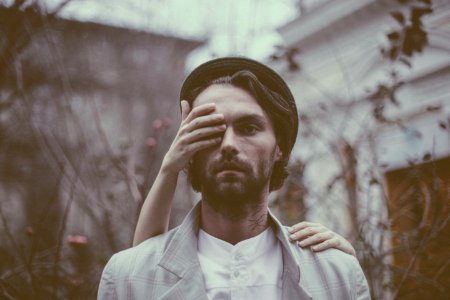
229, 98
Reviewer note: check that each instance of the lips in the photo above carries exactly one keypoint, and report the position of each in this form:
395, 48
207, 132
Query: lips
230, 167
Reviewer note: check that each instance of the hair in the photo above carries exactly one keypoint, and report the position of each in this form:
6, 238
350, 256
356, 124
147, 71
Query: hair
279, 110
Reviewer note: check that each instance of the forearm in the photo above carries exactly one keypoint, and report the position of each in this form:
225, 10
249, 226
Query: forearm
155, 212
198, 131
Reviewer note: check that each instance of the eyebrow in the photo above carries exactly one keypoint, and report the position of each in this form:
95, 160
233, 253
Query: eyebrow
252, 118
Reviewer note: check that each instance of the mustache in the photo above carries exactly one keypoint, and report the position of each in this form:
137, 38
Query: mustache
235, 164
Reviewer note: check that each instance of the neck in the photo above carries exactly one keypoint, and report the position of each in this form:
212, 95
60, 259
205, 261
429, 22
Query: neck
234, 229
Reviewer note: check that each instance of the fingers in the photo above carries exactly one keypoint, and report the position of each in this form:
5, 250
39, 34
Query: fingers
200, 128
316, 238
203, 133
202, 121
335, 242
319, 238
202, 144
306, 231
326, 244
199, 117
200, 110
302, 225
184, 109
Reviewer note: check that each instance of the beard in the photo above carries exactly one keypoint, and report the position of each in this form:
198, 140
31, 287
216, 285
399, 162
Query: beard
234, 194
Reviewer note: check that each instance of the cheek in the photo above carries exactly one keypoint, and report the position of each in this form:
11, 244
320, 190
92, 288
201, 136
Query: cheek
267, 148
203, 157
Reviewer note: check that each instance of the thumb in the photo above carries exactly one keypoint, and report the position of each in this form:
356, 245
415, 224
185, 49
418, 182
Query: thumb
184, 109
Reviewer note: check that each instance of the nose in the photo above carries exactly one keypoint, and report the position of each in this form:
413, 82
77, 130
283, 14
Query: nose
228, 147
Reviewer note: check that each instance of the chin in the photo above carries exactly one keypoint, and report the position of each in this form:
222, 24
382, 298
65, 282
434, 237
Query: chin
233, 191
228, 191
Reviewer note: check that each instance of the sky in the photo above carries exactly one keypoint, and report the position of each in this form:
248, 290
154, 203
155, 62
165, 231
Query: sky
244, 27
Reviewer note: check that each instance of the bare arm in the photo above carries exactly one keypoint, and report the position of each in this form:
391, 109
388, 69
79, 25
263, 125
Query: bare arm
319, 238
154, 216
198, 130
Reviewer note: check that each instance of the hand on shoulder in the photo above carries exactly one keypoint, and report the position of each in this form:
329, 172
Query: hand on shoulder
319, 238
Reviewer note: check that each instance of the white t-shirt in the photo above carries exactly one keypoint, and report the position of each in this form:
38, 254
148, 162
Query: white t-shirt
251, 269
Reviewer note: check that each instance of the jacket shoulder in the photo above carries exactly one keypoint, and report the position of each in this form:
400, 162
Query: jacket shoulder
331, 270
333, 260
133, 273
143, 257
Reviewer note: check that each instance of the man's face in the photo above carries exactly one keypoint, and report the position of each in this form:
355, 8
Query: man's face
240, 167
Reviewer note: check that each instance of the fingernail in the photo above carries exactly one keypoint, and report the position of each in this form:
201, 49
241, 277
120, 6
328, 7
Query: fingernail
290, 229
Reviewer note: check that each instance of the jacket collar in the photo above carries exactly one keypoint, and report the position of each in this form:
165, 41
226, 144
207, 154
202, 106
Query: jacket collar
291, 270
181, 253
181, 259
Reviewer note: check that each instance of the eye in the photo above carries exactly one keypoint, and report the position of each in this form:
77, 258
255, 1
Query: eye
250, 129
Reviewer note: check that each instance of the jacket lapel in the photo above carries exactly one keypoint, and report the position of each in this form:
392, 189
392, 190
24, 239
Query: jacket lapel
291, 270
181, 259
191, 286
291, 287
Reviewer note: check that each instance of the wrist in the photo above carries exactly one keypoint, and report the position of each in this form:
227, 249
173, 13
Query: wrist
168, 171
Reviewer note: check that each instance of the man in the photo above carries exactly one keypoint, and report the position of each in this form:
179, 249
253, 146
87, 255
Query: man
237, 138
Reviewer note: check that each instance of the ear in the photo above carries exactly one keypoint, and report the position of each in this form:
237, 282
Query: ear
278, 154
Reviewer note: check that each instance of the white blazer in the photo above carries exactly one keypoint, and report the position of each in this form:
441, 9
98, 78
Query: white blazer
167, 267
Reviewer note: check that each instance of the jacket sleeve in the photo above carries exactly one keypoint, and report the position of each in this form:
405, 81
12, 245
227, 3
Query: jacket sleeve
107, 288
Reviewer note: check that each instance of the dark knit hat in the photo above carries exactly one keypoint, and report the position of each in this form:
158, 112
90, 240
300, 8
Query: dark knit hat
227, 66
